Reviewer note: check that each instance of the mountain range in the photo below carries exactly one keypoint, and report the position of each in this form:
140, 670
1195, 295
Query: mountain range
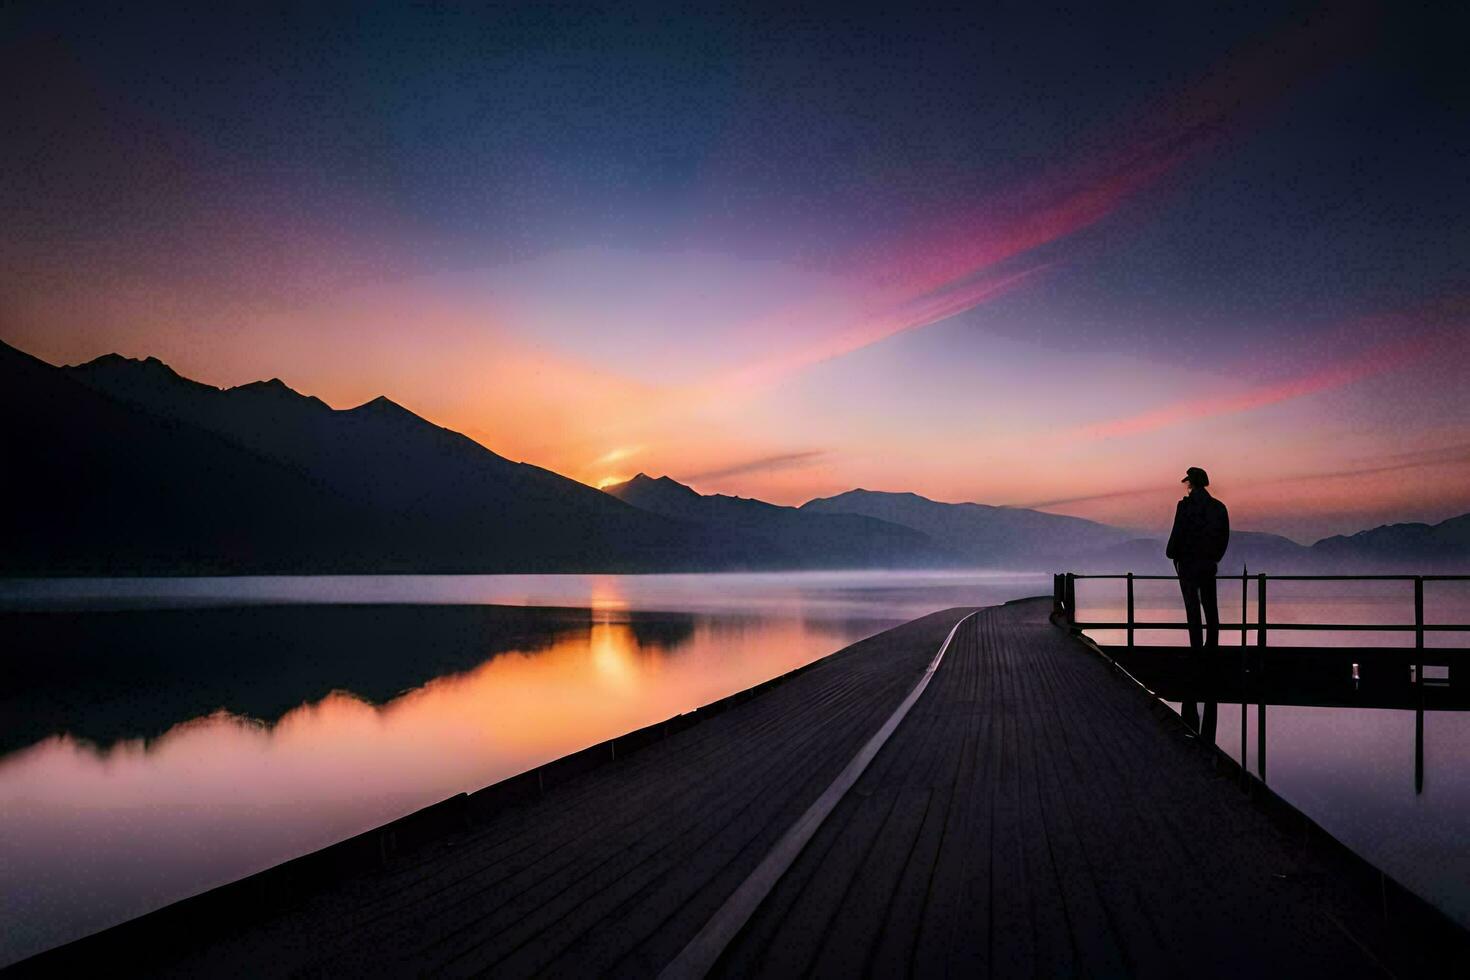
979, 534
121, 466
790, 535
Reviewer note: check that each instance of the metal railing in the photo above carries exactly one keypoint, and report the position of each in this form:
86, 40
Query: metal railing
1253, 666
1064, 588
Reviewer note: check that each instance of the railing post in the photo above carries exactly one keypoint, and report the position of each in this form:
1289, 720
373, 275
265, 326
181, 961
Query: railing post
1419, 621
1244, 766
1261, 675
1071, 597
1130, 610
1419, 683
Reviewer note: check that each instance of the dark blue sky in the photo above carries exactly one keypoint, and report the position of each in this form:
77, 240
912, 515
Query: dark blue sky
534, 128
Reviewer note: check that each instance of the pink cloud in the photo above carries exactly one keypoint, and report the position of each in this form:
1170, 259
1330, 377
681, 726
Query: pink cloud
911, 314
1375, 361
913, 277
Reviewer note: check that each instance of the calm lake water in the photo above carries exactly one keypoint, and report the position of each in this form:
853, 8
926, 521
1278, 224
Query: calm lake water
162, 736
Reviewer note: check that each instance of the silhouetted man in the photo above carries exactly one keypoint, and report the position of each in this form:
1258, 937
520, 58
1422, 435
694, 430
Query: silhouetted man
1197, 543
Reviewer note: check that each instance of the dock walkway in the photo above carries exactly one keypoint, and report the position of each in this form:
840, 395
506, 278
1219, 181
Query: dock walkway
1032, 815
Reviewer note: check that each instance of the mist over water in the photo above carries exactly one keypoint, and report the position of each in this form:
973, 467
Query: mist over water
864, 594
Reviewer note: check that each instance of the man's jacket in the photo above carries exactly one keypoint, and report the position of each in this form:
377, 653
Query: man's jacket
1201, 530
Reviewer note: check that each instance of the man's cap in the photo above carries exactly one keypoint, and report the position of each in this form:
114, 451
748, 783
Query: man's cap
1196, 476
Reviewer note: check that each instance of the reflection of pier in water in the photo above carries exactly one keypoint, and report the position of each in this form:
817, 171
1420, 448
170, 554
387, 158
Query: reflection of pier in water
1419, 679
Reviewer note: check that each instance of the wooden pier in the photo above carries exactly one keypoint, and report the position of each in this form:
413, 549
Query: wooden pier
974, 793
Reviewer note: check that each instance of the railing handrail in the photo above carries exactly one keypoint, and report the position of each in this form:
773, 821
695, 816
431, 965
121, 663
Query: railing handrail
1252, 626
1065, 590
1287, 578
1253, 667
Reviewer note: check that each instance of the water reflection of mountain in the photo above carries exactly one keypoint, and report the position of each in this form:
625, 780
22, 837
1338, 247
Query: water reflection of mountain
104, 676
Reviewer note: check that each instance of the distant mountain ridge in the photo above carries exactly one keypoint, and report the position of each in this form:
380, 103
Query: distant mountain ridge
979, 532
806, 538
122, 466
1016, 537
1404, 548
1400, 545
1260, 551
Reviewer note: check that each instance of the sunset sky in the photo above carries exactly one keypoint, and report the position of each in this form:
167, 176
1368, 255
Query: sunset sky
1043, 259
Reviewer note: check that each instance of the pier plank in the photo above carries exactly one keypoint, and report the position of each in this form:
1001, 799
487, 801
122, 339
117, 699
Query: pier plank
1089, 838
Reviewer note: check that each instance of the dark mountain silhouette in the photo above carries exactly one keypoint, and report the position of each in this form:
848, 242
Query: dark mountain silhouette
94, 486
378, 452
792, 536
123, 467
981, 534
1402, 546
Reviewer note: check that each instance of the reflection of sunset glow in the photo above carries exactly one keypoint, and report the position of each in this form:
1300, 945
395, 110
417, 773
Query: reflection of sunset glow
613, 648
340, 765
606, 594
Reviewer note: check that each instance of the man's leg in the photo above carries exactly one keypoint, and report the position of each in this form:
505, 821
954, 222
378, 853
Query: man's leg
1190, 589
1210, 601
